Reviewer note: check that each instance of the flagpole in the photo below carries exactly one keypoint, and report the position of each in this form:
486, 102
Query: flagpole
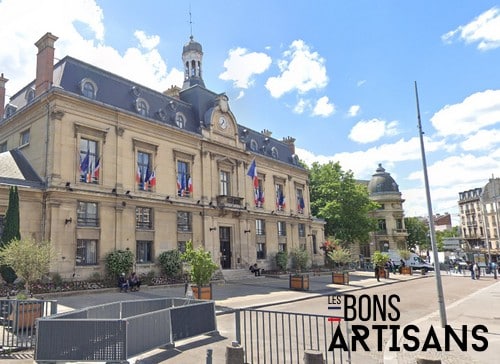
439, 284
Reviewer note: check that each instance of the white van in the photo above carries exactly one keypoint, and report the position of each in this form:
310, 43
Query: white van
413, 261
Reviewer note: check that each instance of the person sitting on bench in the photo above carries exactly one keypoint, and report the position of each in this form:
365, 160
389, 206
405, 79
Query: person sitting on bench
123, 283
135, 282
255, 269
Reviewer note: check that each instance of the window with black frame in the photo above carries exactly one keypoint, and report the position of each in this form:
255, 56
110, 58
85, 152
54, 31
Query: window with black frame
184, 221
86, 252
144, 251
144, 218
87, 214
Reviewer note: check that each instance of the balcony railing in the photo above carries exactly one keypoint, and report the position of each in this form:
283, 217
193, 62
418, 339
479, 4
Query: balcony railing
224, 201
399, 231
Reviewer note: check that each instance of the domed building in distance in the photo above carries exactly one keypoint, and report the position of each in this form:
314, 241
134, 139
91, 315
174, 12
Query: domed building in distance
391, 232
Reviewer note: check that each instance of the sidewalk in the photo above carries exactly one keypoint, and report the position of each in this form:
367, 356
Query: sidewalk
266, 291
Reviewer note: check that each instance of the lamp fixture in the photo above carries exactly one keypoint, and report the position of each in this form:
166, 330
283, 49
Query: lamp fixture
167, 199
69, 220
247, 231
68, 186
128, 194
213, 229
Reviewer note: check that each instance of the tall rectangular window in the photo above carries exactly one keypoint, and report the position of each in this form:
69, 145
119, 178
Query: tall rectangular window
280, 197
144, 253
86, 252
261, 251
143, 218
302, 230
184, 180
89, 161
24, 138
260, 227
300, 201
281, 228
87, 214
144, 175
382, 227
184, 221
224, 183
282, 247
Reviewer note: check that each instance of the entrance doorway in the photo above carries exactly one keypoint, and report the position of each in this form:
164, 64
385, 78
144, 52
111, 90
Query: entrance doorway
225, 247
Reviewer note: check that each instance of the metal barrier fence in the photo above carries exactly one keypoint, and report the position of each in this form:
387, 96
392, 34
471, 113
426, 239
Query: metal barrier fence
121, 330
283, 337
18, 320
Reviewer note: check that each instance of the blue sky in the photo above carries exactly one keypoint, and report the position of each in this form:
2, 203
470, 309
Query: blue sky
336, 75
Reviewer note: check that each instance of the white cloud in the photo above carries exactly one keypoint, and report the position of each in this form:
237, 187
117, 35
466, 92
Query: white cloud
477, 111
242, 65
368, 131
147, 42
484, 30
360, 83
354, 110
301, 70
483, 140
301, 106
81, 35
323, 107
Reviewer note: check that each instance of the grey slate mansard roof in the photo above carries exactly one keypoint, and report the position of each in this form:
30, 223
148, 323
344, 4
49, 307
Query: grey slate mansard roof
196, 103
15, 170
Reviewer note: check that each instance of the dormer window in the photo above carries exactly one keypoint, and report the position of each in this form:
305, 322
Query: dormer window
30, 95
274, 152
136, 91
180, 120
253, 145
162, 114
88, 88
142, 107
10, 110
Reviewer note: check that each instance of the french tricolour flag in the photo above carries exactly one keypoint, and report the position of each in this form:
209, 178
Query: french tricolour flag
252, 172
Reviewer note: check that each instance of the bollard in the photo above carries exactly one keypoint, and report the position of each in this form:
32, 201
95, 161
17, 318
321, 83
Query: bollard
428, 361
313, 357
234, 353
209, 356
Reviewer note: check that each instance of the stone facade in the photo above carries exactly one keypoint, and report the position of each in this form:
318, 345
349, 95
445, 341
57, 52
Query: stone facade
125, 167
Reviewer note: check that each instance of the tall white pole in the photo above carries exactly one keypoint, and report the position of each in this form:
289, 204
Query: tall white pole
439, 285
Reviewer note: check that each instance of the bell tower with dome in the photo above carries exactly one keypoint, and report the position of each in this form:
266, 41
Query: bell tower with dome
192, 58
391, 232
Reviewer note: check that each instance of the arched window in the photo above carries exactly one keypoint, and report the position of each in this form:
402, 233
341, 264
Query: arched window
180, 120
88, 88
142, 106
253, 145
274, 152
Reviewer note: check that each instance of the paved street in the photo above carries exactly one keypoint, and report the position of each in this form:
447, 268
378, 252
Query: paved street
418, 306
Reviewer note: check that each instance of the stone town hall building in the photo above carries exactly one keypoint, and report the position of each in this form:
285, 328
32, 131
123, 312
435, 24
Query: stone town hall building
104, 163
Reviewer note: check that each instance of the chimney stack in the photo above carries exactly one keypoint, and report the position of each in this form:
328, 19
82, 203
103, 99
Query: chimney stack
3, 81
44, 63
291, 143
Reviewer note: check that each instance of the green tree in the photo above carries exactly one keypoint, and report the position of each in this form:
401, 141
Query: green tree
29, 259
201, 265
11, 222
119, 261
170, 263
300, 259
342, 202
440, 235
418, 233
10, 232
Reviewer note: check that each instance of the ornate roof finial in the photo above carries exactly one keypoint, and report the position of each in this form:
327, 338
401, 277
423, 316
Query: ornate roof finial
190, 23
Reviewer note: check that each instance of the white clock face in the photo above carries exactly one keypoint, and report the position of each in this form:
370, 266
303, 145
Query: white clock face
223, 122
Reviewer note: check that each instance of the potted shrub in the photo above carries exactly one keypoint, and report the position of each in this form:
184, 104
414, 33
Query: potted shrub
379, 261
200, 268
300, 262
405, 255
340, 257
30, 261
